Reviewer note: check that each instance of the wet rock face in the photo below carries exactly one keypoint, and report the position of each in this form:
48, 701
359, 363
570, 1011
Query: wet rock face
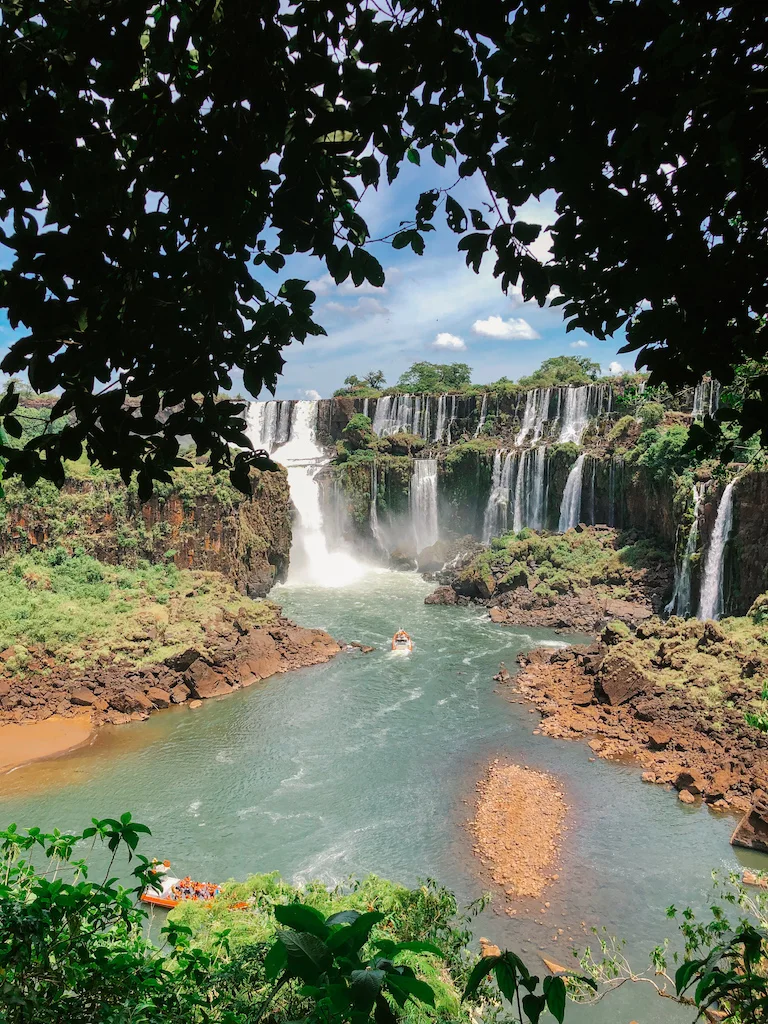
199, 524
752, 830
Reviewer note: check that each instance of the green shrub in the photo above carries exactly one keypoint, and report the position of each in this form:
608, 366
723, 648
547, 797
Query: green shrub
621, 428
651, 414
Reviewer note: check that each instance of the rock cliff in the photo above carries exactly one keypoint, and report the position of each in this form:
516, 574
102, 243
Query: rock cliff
198, 522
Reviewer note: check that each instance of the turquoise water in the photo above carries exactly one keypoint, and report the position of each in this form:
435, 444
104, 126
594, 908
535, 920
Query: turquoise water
368, 764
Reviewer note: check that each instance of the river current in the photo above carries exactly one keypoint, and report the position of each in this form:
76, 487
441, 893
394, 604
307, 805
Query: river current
368, 764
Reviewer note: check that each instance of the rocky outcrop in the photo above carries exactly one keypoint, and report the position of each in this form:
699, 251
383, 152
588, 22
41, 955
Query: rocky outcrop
238, 657
198, 522
690, 735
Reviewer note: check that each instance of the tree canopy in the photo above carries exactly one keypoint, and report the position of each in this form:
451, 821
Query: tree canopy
562, 370
435, 378
161, 159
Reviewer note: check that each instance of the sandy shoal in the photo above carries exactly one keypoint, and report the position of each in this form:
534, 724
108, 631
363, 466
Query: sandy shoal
33, 740
518, 821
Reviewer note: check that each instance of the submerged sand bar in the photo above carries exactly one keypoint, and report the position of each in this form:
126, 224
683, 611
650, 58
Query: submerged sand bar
518, 820
31, 741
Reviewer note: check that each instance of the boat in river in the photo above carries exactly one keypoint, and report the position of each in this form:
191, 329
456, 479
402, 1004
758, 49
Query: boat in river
401, 642
168, 891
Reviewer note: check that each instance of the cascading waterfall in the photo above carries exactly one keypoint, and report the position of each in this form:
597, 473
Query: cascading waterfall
497, 509
575, 414
574, 407
423, 503
536, 503
440, 421
706, 399
483, 414
374, 514
311, 561
570, 507
712, 601
535, 414
681, 596
268, 424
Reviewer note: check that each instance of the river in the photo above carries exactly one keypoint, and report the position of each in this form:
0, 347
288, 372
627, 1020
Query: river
368, 764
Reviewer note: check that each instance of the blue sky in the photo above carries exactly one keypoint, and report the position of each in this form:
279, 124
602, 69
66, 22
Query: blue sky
432, 307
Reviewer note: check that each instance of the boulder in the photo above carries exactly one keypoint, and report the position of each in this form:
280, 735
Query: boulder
686, 797
179, 693
497, 615
627, 611
130, 701
620, 679
82, 696
443, 595
5, 688
752, 830
181, 662
692, 781
205, 682
195, 703
160, 698
659, 738
719, 786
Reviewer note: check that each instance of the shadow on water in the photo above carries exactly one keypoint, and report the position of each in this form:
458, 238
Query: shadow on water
368, 764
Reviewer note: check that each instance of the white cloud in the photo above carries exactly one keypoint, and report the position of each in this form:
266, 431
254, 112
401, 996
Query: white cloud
449, 342
364, 307
312, 395
579, 344
614, 368
514, 329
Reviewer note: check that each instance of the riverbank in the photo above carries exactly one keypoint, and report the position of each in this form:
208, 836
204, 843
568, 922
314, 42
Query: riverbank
674, 697
32, 741
518, 821
79, 637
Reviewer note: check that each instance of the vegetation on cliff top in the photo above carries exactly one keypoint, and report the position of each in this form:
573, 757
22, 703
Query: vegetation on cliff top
553, 564
76, 611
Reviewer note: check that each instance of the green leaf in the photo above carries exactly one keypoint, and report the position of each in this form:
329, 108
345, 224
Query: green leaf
534, 1006
383, 1014
413, 156
365, 985
413, 987
302, 918
481, 970
308, 956
275, 960
353, 936
554, 990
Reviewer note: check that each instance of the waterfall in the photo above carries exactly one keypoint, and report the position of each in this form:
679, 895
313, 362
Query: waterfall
681, 596
374, 513
483, 413
536, 500
712, 601
381, 414
575, 414
570, 507
440, 422
311, 561
452, 419
593, 481
612, 493
706, 399
423, 503
518, 511
365, 407
497, 509
268, 424
535, 414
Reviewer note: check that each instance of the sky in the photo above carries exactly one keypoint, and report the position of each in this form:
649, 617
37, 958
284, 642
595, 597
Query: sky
432, 307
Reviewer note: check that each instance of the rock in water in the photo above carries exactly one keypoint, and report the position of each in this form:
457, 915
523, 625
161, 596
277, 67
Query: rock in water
752, 830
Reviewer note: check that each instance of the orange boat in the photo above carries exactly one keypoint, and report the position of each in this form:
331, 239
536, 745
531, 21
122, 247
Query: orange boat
168, 891
401, 642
